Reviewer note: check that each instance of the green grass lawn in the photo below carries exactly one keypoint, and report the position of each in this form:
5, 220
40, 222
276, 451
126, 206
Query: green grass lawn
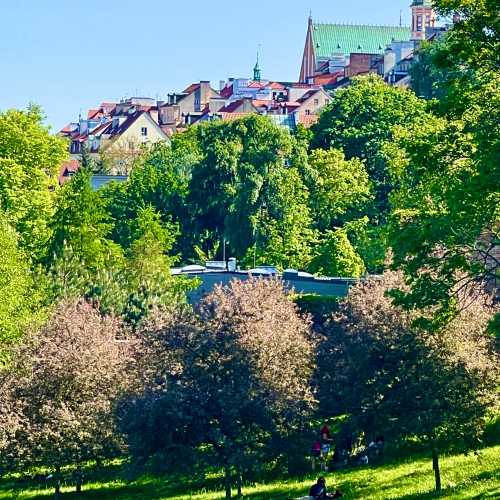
464, 477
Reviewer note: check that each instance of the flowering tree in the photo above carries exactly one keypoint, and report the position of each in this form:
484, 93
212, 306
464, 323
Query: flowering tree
226, 385
58, 396
404, 382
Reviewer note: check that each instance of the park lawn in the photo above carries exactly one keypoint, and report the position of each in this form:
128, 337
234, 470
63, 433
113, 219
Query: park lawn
464, 477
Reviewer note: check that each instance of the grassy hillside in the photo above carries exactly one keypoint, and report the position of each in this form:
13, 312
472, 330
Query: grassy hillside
464, 477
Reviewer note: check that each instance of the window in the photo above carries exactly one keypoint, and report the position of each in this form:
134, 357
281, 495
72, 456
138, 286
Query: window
419, 23
428, 20
144, 131
308, 112
316, 102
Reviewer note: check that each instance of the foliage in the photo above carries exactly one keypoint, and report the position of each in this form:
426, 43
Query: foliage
396, 379
149, 281
446, 218
370, 243
359, 119
427, 79
81, 222
282, 230
30, 159
128, 285
19, 302
318, 307
61, 390
159, 179
238, 177
338, 188
226, 384
475, 38
337, 257
445, 221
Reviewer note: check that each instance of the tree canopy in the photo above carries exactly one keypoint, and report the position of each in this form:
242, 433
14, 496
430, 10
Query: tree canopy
30, 159
226, 384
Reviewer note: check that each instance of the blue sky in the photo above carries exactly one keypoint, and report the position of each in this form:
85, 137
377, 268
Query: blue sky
68, 56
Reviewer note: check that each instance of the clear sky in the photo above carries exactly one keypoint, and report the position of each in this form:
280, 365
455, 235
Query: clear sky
71, 55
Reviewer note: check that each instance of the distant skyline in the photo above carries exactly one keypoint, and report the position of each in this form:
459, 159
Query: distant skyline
68, 56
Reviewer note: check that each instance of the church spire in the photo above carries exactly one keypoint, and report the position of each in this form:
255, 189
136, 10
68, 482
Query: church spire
257, 74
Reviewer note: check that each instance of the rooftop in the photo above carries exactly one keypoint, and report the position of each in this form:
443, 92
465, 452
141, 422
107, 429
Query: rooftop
347, 39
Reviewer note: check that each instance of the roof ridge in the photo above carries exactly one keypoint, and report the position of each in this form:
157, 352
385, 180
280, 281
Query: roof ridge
362, 25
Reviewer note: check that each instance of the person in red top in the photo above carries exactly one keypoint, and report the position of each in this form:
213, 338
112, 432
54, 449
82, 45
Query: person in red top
325, 433
326, 438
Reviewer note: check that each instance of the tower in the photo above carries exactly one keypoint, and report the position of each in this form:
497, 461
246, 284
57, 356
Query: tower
308, 59
256, 70
423, 17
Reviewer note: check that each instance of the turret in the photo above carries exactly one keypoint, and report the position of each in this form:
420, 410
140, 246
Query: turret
423, 17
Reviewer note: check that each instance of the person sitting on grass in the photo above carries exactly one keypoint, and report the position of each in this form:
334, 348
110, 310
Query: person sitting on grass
319, 491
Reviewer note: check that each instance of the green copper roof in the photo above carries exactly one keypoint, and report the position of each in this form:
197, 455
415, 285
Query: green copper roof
344, 38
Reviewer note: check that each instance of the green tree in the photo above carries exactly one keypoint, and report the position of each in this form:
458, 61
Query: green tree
427, 79
30, 159
475, 40
444, 227
339, 188
337, 257
283, 234
233, 183
446, 220
82, 223
20, 302
160, 179
359, 120
149, 281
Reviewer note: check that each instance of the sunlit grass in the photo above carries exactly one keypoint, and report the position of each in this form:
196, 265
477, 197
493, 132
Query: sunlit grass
464, 477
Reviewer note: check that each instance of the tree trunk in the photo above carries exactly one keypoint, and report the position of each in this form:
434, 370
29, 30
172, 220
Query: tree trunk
435, 466
79, 479
239, 480
57, 486
227, 481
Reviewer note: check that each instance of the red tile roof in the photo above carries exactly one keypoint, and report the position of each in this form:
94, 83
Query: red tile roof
276, 86
67, 129
67, 169
256, 85
329, 79
231, 107
307, 95
226, 92
191, 88
261, 102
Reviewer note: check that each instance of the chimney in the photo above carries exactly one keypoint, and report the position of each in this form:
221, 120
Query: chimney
205, 92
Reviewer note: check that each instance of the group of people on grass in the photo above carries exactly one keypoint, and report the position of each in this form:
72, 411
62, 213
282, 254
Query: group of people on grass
353, 451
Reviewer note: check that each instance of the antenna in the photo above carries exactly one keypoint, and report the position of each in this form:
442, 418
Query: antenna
401, 18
